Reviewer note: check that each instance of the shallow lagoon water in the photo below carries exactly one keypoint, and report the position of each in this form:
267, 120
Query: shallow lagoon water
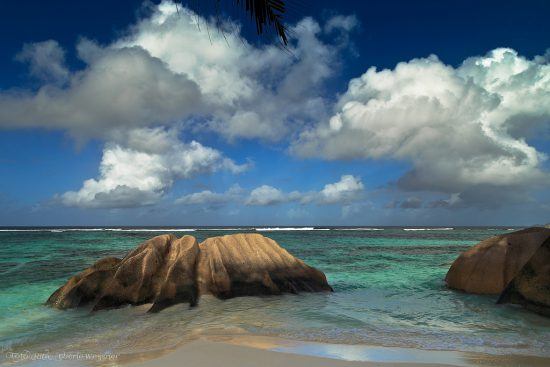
388, 282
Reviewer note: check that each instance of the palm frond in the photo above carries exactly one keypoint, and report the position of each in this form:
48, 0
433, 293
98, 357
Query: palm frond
266, 13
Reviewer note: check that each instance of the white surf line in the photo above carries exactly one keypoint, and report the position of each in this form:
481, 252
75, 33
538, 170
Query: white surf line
357, 229
24, 230
269, 229
60, 230
225, 229
152, 230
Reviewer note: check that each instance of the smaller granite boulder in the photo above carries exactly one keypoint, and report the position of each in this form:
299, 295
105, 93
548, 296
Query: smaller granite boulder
489, 266
531, 286
249, 264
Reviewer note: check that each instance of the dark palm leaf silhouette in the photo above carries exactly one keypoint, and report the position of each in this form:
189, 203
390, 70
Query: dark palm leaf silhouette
267, 14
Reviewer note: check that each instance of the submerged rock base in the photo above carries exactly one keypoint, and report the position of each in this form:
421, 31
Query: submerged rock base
166, 270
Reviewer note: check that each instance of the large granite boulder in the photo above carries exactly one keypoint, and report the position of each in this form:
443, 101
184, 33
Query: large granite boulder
160, 271
166, 270
251, 264
489, 266
531, 286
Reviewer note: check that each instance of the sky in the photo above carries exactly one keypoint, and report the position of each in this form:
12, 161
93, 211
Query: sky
377, 113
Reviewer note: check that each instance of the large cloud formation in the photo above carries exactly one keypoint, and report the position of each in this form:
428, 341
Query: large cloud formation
248, 92
174, 65
171, 73
463, 129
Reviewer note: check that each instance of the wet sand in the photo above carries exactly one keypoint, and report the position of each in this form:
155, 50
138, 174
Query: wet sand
258, 351
204, 353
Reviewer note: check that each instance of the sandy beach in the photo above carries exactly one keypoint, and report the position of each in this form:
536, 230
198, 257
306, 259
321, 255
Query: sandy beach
252, 351
213, 354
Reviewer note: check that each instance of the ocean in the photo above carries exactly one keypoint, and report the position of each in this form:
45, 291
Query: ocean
388, 285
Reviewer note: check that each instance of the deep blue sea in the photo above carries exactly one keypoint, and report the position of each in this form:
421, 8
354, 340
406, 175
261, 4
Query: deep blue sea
389, 291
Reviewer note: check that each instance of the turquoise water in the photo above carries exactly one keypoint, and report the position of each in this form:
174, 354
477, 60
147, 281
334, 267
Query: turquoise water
388, 283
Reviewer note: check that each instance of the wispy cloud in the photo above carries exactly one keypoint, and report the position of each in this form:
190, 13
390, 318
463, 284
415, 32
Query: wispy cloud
347, 190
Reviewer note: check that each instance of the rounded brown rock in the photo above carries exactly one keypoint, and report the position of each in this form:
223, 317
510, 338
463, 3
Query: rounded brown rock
489, 266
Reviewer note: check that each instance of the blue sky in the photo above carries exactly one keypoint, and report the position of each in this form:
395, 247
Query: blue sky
381, 113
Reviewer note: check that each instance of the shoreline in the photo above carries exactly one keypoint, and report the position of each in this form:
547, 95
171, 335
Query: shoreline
253, 350
249, 350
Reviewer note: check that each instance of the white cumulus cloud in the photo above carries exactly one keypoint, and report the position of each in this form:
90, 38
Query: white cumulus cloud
266, 195
459, 128
348, 189
168, 68
345, 191
250, 92
210, 198
140, 171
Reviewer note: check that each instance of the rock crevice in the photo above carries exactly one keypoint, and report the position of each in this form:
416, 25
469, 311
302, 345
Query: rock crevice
489, 266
